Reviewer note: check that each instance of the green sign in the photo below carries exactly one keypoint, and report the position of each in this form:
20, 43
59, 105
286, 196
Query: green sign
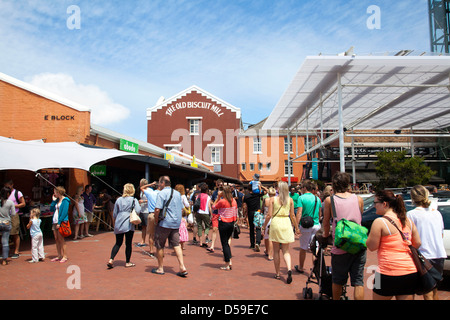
129, 146
98, 170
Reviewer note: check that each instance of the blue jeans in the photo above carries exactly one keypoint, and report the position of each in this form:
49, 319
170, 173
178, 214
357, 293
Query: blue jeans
5, 242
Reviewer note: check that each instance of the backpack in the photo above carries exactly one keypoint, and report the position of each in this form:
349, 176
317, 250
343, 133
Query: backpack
197, 203
26, 208
348, 235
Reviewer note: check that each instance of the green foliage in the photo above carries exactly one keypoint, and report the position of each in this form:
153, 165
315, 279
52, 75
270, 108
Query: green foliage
396, 170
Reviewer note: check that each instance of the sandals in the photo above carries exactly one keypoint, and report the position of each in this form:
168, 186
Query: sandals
210, 250
182, 274
110, 265
155, 271
298, 269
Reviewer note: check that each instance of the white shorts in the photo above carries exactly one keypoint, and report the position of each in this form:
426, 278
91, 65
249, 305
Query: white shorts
307, 235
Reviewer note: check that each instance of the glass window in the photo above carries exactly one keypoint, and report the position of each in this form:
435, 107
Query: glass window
286, 168
257, 148
286, 146
215, 155
194, 126
445, 211
309, 143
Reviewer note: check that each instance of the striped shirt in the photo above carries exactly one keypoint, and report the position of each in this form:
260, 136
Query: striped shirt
227, 213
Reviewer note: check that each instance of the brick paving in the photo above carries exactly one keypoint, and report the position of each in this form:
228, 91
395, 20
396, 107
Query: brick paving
252, 277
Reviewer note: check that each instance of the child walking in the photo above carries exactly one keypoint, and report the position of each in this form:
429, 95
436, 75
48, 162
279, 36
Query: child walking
37, 242
184, 233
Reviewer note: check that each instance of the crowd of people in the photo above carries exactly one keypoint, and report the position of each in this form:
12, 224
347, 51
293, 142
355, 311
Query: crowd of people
276, 215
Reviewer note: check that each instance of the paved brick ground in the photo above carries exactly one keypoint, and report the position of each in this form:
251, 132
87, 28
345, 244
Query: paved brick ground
252, 277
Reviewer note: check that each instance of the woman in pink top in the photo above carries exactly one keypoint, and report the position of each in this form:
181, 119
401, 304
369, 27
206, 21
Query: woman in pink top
396, 275
227, 208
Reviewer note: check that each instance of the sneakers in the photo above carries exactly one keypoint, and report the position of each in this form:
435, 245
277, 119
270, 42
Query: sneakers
15, 256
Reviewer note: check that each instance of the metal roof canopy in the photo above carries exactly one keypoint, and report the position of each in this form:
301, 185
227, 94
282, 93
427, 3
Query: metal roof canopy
365, 92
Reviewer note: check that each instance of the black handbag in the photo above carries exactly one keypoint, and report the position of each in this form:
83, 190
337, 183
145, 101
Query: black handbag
429, 276
308, 221
236, 231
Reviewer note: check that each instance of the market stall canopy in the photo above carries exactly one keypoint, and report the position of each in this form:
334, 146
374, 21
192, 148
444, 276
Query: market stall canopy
37, 155
378, 92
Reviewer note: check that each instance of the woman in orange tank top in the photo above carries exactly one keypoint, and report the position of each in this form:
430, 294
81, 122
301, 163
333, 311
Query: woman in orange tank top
396, 275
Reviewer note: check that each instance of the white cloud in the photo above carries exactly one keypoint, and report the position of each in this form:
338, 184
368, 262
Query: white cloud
246, 52
104, 110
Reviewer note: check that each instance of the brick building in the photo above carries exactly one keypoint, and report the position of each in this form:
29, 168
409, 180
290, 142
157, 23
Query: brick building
265, 152
29, 113
198, 124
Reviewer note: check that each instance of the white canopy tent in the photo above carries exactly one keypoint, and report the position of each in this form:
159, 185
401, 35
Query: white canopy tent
36, 155
346, 93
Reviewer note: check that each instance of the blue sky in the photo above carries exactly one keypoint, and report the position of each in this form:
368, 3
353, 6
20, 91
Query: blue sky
127, 54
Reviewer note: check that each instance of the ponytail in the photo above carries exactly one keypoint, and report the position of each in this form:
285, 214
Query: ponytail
395, 202
419, 196
400, 209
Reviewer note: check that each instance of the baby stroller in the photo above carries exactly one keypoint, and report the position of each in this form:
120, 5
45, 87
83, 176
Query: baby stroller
320, 272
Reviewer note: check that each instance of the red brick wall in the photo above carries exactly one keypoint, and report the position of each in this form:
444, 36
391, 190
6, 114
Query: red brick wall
218, 126
28, 116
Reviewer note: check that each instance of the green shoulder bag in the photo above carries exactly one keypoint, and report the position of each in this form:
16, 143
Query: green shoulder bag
348, 235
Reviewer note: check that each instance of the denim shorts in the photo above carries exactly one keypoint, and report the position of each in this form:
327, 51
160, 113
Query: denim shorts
344, 264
